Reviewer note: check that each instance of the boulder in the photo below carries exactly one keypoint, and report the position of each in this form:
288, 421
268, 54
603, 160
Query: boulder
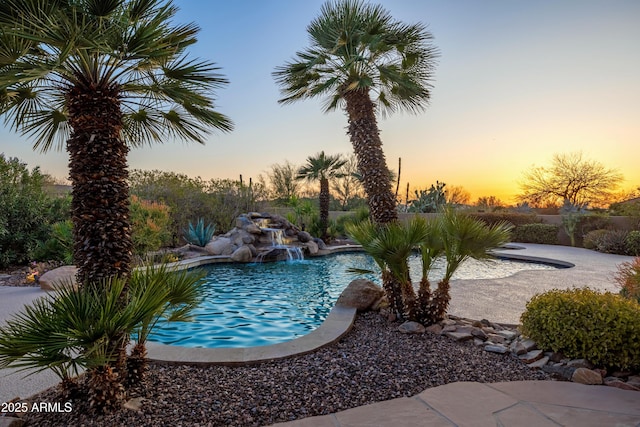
61, 276
586, 376
242, 254
243, 221
304, 237
311, 247
320, 243
219, 246
411, 328
360, 294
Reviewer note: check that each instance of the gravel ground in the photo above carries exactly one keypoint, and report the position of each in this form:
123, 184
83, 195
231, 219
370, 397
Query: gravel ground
374, 362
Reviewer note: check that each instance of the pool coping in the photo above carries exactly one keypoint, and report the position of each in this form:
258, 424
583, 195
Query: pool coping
337, 324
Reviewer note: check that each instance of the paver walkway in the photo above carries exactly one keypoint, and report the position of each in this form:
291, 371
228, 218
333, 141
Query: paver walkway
507, 404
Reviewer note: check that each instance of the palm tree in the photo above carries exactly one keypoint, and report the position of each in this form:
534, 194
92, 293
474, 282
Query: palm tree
364, 61
322, 168
460, 237
103, 76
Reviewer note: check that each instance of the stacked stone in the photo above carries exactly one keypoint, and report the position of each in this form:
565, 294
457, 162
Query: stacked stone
506, 339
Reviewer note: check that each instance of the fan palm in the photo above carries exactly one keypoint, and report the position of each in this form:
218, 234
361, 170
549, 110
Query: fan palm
322, 168
103, 76
462, 237
364, 61
390, 245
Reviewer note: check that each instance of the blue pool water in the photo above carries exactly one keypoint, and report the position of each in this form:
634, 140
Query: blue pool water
249, 305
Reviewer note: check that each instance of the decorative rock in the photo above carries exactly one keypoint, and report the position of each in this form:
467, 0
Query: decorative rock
360, 294
59, 277
434, 329
634, 380
304, 237
532, 356
448, 322
539, 363
556, 357
218, 246
586, 376
465, 329
134, 404
564, 372
449, 328
496, 339
411, 328
518, 348
312, 247
496, 348
459, 336
529, 344
580, 363
252, 228
321, 245
507, 334
479, 333
242, 254
478, 342
616, 382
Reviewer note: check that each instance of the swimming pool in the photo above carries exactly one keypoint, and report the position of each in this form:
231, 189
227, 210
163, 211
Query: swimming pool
249, 305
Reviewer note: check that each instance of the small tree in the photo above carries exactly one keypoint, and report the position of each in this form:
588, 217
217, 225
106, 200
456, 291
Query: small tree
570, 177
282, 182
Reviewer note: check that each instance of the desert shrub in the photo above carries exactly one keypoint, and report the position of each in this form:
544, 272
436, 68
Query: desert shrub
536, 233
59, 246
24, 207
632, 243
517, 219
582, 323
593, 239
628, 279
613, 242
217, 201
150, 223
361, 214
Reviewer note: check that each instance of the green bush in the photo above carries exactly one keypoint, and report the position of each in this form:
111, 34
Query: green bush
582, 323
360, 215
536, 233
150, 224
632, 243
593, 239
59, 246
24, 208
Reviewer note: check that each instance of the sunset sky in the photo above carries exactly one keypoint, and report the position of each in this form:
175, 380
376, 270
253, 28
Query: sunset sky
516, 82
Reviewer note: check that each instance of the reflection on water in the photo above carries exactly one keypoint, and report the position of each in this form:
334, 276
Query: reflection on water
250, 305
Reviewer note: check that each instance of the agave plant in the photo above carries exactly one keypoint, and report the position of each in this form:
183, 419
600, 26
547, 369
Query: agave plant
199, 235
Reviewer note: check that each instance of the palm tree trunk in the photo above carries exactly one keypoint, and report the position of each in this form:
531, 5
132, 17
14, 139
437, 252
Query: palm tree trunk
100, 192
393, 291
364, 134
440, 301
324, 207
100, 212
